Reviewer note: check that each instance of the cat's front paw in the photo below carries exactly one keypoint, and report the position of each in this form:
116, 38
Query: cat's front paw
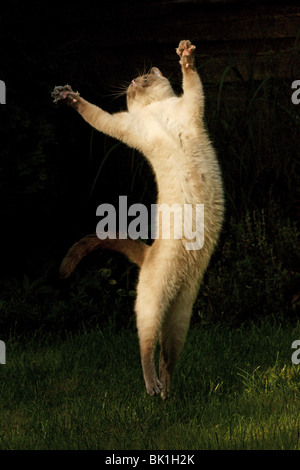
65, 94
186, 52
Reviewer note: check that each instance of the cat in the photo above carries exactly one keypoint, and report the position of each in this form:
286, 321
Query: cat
169, 131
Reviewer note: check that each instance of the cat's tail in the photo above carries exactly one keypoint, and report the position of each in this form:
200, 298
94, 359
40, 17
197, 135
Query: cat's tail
133, 249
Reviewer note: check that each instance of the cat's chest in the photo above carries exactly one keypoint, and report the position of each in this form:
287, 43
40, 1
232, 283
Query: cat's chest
164, 128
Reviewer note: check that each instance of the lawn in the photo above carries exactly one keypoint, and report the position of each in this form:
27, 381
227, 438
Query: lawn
233, 389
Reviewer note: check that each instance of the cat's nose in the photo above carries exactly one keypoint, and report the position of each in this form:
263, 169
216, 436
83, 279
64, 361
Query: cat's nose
133, 82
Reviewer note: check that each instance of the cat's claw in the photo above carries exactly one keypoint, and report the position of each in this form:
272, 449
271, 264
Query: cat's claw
65, 93
186, 50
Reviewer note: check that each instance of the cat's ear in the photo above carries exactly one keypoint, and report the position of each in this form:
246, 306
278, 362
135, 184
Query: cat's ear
156, 72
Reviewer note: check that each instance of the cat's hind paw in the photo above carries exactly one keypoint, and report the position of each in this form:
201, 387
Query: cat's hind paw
186, 52
153, 387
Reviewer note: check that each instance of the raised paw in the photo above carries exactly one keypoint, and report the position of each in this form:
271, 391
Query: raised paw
65, 93
186, 52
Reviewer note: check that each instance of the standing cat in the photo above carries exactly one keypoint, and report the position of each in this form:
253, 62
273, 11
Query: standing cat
169, 131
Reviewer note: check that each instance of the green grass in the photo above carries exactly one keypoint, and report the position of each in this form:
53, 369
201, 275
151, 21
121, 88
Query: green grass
233, 389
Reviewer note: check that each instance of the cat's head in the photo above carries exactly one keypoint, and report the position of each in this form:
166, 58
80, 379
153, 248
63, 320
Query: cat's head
148, 88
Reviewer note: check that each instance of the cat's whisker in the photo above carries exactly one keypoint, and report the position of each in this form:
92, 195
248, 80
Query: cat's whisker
118, 90
117, 93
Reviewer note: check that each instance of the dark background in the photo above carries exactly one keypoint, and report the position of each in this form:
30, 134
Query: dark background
55, 170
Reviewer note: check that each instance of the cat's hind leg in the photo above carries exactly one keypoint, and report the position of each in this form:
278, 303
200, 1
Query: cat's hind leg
172, 336
159, 283
149, 313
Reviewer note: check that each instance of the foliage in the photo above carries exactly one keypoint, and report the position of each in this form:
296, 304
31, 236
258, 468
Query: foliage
254, 272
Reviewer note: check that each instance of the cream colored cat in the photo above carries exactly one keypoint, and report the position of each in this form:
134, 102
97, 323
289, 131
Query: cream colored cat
169, 131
